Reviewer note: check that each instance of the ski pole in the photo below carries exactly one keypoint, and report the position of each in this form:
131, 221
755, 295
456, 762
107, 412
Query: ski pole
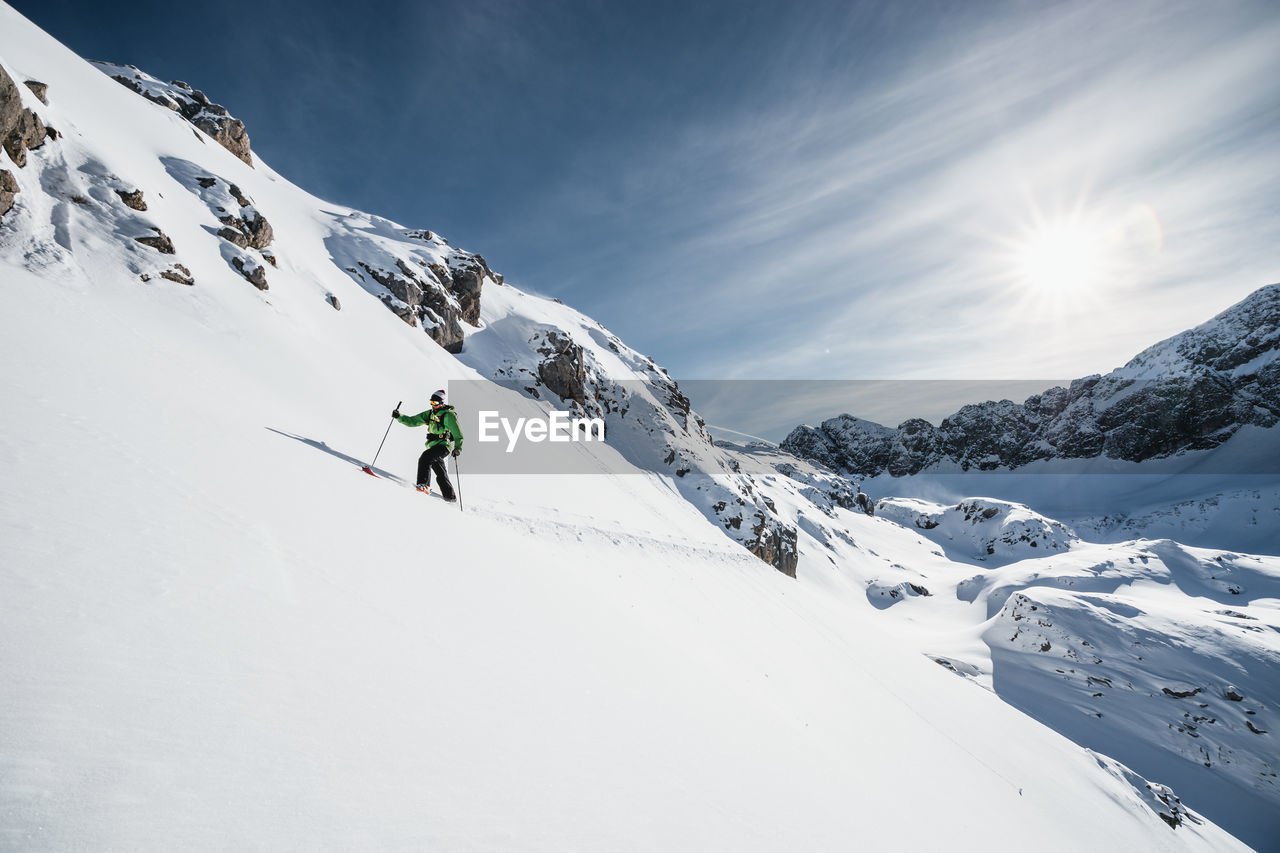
458, 476
368, 469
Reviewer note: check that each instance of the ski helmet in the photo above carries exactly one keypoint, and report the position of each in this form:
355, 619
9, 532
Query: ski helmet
438, 397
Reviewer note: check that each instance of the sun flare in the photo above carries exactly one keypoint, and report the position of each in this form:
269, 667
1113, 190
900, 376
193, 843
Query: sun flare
1061, 258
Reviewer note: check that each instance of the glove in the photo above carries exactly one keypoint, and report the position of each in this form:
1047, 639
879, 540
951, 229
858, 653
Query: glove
395, 415
457, 451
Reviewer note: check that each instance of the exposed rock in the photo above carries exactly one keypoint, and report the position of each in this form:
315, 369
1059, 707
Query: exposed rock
10, 104
775, 543
249, 230
20, 128
193, 105
159, 241
8, 189
467, 273
333, 300
256, 228
562, 369
416, 300
132, 199
227, 132
40, 90
256, 276
235, 236
178, 273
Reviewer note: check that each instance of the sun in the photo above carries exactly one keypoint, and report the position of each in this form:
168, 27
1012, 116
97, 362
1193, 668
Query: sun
1059, 258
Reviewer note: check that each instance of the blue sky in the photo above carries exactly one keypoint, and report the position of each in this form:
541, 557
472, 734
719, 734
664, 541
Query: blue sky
817, 190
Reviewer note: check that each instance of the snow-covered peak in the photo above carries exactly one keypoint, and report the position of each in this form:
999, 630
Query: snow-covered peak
1242, 341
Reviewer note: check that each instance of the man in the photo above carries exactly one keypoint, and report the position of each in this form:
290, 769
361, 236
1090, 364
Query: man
442, 430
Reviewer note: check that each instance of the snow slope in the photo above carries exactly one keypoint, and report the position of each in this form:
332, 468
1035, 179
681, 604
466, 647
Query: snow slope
216, 633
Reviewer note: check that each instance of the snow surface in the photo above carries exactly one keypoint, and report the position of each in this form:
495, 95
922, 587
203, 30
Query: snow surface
216, 633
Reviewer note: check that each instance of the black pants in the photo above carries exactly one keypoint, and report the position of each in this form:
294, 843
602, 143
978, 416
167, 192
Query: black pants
432, 459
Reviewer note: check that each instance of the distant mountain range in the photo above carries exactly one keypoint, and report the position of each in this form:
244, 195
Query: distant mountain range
1191, 392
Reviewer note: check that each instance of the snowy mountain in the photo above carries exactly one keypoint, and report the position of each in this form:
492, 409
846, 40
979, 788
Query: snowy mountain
217, 633
1192, 392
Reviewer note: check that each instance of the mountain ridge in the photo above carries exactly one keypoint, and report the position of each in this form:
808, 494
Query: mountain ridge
1192, 391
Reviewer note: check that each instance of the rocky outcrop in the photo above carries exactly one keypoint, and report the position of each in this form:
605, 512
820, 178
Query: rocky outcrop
132, 199
20, 128
40, 90
158, 241
177, 272
562, 368
212, 119
417, 299
415, 273
1191, 392
466, 275
8, 189
253, 273
775, 543
249, 230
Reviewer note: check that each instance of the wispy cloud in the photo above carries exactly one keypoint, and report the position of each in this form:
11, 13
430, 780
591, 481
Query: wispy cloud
866, 230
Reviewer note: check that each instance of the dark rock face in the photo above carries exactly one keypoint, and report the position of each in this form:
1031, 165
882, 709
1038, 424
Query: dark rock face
40, 90
812, 443
256, 276
415, 298
20, 128
8, 189
250, 229
158, 241
467, 273
436, 286
178, 273
10, 104
257, 228
916, 442
1191, 392
235, 236
192, 104
132, 199
562, 369
226, 131
775, 543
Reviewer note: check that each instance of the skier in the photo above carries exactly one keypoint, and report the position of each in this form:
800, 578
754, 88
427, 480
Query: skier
442, 429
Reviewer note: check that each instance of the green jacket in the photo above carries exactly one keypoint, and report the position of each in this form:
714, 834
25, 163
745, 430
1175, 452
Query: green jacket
441, 424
